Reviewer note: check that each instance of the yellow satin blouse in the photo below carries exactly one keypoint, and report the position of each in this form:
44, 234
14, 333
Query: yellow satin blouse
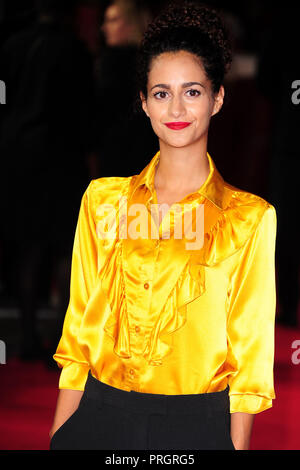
148, 314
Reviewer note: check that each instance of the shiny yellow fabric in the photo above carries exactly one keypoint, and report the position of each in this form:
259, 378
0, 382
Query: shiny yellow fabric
149, 315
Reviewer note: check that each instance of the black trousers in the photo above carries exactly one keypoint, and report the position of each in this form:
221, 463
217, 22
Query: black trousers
112, 419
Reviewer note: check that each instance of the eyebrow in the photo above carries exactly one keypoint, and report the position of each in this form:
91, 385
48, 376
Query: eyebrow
184, 85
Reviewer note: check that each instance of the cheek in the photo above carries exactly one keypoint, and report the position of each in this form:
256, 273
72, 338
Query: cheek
156, 115
118, 27
203, 112
154, 109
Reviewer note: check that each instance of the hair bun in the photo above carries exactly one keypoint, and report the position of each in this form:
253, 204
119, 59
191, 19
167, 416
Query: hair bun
192, 15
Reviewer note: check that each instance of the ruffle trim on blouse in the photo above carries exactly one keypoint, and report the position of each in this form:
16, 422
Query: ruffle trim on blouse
117, 324
190, 285
233, 228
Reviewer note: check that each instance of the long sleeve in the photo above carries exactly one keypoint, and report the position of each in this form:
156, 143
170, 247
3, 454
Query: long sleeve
251, 321
83, 275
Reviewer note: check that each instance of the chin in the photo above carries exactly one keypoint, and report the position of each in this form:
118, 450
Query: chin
176, 144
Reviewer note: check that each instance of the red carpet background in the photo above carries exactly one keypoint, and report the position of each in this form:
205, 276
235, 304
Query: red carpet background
28, 395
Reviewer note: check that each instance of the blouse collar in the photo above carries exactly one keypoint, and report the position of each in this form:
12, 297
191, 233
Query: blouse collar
212, 189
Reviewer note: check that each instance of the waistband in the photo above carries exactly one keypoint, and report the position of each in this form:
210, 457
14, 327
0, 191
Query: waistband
154, 403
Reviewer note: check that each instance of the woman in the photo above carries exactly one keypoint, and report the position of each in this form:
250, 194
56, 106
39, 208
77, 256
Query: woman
168, 343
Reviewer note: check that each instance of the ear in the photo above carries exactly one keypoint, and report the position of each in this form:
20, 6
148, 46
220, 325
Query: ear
144, 103
219, 99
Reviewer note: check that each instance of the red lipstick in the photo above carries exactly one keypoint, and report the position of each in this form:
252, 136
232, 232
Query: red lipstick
177, 125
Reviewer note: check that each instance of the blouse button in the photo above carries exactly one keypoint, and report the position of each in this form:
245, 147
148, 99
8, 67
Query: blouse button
137, 329
131, 372
146, 285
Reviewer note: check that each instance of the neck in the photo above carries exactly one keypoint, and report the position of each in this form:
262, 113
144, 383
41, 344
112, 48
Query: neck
181, 169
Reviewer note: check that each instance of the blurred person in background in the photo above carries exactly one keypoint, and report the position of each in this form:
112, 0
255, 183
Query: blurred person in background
44, 140
120, 132
124, 22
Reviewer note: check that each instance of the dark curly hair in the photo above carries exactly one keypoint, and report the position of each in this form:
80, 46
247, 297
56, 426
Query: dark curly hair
190, 26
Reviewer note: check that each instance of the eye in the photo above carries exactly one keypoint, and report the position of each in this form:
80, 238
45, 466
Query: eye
193, 91
159, 93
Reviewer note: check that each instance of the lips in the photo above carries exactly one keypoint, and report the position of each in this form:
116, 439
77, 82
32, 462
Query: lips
177, 125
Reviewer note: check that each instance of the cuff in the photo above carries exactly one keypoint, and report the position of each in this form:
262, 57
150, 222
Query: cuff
244, 403
73, 376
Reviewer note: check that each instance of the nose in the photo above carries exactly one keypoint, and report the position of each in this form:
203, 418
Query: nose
177, 107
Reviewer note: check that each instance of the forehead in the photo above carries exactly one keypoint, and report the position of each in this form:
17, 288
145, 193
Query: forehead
174, 65
112, 12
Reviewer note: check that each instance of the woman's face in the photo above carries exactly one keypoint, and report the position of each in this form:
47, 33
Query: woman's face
179, 91
116, 29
